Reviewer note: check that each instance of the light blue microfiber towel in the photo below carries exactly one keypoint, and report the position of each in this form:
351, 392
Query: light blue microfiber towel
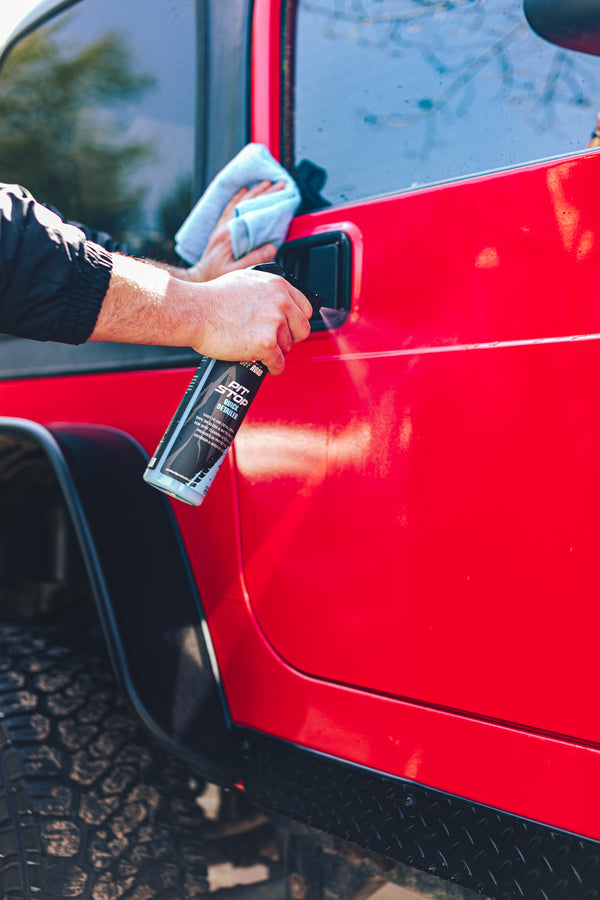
260, 220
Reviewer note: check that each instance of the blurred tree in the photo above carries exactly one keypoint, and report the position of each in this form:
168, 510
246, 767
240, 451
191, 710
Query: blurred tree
56, 138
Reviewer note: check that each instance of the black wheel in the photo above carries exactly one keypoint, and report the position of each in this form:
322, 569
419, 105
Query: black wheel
89, 807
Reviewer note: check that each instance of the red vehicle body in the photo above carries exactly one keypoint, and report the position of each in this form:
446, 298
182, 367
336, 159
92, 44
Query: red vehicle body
398, 562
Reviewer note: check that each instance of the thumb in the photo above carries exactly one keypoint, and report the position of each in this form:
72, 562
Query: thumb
261, 255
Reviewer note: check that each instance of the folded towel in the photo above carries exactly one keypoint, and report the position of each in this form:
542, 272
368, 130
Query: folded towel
260, 220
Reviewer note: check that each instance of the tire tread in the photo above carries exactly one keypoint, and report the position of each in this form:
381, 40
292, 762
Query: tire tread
89, 807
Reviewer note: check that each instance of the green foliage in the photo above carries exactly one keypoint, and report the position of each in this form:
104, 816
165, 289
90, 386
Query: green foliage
58, 137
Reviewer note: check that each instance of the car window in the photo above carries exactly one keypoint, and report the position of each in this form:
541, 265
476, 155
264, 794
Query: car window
390, 94
98, 109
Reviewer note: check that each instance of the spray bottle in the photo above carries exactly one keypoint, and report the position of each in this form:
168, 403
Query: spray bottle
207, 419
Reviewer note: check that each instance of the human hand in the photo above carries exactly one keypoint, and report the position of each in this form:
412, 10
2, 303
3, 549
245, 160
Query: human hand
217, 258
251, 315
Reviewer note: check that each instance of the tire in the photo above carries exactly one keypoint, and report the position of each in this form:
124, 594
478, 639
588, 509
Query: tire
89, 807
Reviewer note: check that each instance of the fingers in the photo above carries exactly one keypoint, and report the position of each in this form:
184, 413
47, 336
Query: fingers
217, 258
274, 361
299, 315
245, 193
229, 209
296, 328
288, 321
261, 255
249, 314
264, 187
299, 326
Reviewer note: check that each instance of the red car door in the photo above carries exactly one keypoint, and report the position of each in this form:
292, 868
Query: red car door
419, 491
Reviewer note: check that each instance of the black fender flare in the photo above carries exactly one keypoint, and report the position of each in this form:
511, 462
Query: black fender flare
144, 590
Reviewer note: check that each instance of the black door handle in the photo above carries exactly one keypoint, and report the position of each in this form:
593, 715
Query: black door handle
322, 262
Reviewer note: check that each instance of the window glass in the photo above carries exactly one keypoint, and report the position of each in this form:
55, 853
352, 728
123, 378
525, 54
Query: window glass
391, 94
97, 109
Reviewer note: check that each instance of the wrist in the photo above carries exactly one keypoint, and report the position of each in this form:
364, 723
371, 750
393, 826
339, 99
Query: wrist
146, 304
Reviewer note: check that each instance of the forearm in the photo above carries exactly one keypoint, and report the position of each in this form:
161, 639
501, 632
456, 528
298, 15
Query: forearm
145, 304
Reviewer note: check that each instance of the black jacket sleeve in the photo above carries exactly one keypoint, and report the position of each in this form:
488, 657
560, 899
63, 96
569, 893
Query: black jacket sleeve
52, 279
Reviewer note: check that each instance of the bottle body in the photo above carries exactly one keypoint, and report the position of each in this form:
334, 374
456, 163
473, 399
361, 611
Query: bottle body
203, 428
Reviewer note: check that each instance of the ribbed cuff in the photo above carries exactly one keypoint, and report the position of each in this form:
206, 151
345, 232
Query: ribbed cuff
87, 294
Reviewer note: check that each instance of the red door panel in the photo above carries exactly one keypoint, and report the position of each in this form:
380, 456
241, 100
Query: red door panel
418, 492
